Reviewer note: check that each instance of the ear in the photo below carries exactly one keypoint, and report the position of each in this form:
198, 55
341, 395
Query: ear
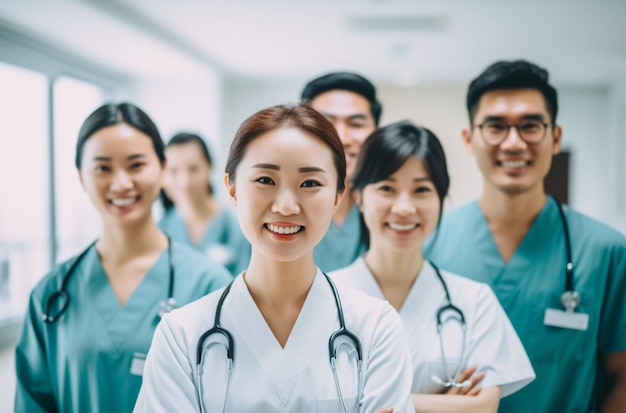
557, 134
466, 136
358, 199
230, 189
338, 197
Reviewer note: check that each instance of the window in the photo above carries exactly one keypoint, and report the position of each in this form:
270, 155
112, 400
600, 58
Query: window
24, 165
77, 222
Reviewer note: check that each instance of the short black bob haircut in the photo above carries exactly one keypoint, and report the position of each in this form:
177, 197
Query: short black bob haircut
517, 74
388, 148
349, 81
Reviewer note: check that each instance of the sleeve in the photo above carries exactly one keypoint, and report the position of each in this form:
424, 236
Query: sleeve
168, 384
613, 323
495, 348
388, 375
34, 392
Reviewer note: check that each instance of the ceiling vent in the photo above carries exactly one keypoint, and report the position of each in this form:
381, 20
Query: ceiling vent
417, 23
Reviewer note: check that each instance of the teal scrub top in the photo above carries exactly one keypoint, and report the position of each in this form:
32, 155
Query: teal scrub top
341, 245
91, 359
222, 241
568, 363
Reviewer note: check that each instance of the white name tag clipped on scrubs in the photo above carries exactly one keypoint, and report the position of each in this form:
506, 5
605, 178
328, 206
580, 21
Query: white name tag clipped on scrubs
136, 366
566, 319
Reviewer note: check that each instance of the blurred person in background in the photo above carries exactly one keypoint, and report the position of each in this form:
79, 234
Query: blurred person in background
192, 214
349, 102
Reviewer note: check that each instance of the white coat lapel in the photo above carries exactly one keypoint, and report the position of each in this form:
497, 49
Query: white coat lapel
317, 316
260, 341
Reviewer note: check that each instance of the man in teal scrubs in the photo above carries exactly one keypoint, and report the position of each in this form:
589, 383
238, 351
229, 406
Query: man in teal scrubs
349, 101
513, 238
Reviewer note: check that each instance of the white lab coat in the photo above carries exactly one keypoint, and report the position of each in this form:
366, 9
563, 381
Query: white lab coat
491, 343
268, 378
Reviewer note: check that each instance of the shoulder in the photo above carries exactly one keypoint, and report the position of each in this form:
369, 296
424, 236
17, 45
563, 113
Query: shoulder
465, 285
192, 261
463, 211
191, 320
369, 314
468, 293
594, 231
345, 274
52, 280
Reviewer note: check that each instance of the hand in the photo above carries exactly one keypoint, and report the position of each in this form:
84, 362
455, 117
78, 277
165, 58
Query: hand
387, 410
468, 374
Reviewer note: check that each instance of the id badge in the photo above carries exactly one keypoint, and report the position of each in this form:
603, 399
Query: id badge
136, 366
566, 319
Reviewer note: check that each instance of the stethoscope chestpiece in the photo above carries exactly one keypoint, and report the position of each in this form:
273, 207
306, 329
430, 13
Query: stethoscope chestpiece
570, 300
166, 306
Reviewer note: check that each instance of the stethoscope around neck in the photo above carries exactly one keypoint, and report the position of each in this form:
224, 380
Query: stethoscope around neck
570, 299
451, 379
61, 299
332, 349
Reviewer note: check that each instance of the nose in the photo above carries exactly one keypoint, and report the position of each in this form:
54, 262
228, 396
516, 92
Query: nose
286, 203
403, 205
342, 131
121, 182
513, 140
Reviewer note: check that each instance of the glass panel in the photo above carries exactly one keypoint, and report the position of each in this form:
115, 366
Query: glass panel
77, 222
24, 211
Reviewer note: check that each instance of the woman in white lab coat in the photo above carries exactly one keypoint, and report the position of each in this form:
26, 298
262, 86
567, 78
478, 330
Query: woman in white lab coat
285, 175
90, 321
399, 184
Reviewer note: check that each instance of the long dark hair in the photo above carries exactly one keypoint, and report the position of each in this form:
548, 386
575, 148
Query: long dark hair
183, 138
388, 148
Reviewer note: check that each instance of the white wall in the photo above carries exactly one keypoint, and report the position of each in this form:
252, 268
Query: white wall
189, 104
584, 116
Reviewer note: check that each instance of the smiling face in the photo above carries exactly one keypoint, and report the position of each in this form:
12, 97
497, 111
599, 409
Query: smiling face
351, 115
187, 172
513, 166
121, 173
402, 210
285, 193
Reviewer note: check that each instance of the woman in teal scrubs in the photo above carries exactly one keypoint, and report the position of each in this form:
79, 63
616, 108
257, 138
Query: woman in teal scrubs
192, 215
88, 356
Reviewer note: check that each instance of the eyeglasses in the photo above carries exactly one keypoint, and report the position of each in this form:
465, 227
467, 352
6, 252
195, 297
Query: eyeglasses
494, 132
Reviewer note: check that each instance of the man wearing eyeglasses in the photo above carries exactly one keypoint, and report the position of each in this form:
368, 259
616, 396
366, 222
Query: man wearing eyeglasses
515, 239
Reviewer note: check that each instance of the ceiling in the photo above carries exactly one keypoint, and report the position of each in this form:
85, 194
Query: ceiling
405, 42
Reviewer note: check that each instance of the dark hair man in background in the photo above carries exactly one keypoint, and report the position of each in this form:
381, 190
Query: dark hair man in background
349, 101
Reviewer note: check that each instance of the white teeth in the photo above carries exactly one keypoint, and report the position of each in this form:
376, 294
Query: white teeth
513, 164
283, 230
123, 202
400, 227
